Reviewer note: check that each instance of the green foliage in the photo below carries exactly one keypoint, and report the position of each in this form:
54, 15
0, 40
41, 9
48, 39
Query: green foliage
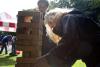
53, 4
89, 7
95, 3
80, 4
7, 33
63, 3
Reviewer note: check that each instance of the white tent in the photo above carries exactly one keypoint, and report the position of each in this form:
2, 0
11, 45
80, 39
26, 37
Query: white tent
7, 23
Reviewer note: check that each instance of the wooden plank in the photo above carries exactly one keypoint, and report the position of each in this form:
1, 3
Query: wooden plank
29, 37
29, 48
28, 43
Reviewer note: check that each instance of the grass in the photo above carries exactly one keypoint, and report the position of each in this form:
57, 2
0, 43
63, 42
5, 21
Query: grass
10, 61
7, 61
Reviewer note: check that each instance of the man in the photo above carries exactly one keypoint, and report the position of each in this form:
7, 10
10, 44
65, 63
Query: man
1, 36
47, 44
13, 51
42, 6
78, 41
5, 41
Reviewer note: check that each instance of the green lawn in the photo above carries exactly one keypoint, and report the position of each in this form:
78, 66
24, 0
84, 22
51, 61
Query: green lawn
7, 61
10, 61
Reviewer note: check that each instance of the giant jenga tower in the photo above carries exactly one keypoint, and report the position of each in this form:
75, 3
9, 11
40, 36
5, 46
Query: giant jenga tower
29, 37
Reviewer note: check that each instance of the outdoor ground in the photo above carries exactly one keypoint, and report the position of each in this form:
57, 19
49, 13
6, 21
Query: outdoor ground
10, 61
6, 60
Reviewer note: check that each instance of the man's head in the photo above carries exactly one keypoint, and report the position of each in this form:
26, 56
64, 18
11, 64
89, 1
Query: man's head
43, 5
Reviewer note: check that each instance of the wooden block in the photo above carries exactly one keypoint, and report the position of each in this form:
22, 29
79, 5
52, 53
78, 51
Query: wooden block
28, 43
25, 60
29, 13
29, 48
24, 65
36, 16
29, 37
34, 32
30, 25
40, 63
32, 54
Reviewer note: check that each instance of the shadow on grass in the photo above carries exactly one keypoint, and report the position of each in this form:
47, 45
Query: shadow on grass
10, 61
7, 60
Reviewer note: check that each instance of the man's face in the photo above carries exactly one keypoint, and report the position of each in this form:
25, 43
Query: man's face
42, 7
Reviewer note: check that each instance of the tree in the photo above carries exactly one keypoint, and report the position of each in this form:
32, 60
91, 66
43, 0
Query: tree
52, 5
90, 7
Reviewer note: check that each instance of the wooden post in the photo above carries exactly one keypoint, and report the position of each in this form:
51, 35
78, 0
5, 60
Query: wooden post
29, 37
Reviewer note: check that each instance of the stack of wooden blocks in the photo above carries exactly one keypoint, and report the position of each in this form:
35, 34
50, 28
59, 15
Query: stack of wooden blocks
29, 37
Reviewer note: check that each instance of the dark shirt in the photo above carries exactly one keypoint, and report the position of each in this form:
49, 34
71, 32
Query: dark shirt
6, 39
1, 37
76, 31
